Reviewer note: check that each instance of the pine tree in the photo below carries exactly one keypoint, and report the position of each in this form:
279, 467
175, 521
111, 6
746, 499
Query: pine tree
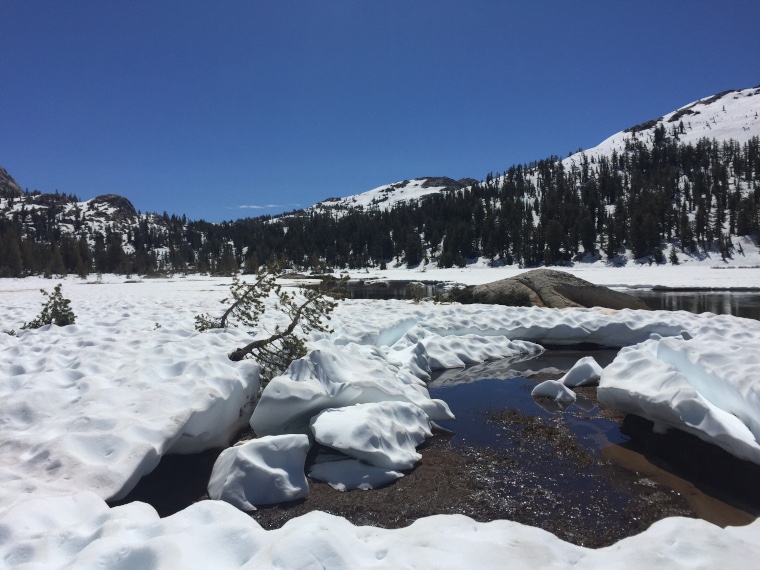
307, 310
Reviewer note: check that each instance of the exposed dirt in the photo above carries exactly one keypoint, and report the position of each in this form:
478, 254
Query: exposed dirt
547, 480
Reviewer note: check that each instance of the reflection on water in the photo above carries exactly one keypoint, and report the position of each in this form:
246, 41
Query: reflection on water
473, 392
377, 289
736, 303
549, 363
639, 456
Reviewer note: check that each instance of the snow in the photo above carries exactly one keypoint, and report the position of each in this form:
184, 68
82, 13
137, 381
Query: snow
383, 197
699, 272
96, 404
81, 532
385, 434
333, 376
553, 389
584, 372
733, 116
261, 472
706, 386
86, 410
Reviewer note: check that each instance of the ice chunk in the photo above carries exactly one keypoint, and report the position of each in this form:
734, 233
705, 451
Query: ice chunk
261, 472
385, 434
554, 389
337, 376
455, 351
350, 474
586, 371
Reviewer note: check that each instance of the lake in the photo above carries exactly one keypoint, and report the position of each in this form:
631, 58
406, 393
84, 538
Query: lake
736, 303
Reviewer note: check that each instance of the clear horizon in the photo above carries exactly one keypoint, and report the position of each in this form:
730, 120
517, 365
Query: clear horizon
225, 111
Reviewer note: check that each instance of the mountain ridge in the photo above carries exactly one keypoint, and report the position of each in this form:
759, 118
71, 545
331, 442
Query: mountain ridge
552, 204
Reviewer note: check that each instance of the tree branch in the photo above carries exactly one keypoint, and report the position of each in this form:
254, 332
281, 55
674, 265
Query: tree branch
241, 353
252, 289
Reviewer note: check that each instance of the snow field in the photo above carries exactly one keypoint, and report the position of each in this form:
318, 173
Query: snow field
80, 531
86, 410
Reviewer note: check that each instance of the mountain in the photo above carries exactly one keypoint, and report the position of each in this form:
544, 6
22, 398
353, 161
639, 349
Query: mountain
9, 188
730, 115
677, 186
389, 195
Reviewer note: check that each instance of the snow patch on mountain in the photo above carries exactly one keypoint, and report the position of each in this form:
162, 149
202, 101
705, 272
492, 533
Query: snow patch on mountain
385, 197
731, 115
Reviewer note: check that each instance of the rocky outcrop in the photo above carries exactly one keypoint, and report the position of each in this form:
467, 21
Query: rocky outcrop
9, 188
556, 289
121, 207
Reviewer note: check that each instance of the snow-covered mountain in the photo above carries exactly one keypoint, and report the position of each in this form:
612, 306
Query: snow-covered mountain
171, 243
731, 115
107, 212
387, 196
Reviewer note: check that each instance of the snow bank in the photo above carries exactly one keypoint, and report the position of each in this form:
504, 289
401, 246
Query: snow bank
336, 376
584, 372
707, 386
82, 532
401, 325
261, 472
384, 434
95, 408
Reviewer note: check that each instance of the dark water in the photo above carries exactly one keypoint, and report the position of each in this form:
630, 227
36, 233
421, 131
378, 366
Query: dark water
626, 455
473, 392
736, 303
472, 402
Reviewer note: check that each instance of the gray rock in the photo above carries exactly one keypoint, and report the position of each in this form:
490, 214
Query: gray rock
558, 290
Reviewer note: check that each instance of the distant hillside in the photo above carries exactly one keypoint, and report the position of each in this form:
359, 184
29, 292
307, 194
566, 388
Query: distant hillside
387, 196
677, 186
730, 115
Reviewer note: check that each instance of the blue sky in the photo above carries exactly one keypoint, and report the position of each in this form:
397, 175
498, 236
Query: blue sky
222, 110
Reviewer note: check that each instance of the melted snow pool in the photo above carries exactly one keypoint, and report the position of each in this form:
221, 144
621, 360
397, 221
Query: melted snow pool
568, 451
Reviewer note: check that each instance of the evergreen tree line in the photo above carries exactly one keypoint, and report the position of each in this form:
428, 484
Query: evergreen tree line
694, 196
